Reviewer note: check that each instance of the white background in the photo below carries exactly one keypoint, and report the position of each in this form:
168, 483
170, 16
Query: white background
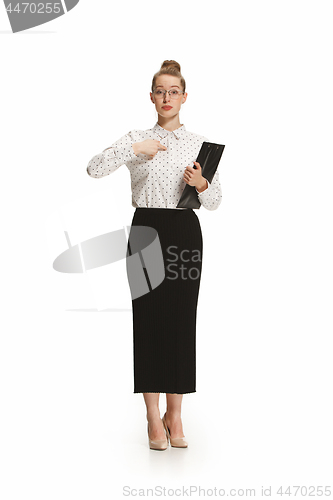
259, 80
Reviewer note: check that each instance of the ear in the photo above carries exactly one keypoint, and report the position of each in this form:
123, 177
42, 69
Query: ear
152, 98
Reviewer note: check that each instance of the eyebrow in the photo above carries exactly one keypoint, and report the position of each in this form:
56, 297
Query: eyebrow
171, 86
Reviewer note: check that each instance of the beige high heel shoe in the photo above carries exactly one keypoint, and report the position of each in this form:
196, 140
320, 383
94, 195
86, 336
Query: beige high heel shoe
157, 444
175, 442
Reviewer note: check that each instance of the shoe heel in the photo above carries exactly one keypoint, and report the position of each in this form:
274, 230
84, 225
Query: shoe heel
174, 442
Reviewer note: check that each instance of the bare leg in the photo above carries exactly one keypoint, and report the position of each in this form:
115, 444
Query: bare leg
156, 429
173, 415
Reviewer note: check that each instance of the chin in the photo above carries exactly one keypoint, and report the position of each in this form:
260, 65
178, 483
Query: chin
167, 114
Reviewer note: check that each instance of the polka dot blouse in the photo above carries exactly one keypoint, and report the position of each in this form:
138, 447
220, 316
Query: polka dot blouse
157, 182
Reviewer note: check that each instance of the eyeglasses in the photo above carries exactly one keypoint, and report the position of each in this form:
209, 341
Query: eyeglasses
174, 94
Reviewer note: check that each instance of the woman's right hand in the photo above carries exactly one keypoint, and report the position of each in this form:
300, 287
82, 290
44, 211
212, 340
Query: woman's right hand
148, 147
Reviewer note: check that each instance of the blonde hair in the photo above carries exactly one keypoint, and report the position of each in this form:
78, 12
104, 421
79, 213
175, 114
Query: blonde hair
169, 68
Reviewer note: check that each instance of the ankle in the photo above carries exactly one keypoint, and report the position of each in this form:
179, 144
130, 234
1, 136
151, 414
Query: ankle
173, 414
153, 413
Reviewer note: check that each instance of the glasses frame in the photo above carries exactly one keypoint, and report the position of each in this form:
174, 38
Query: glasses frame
179, 92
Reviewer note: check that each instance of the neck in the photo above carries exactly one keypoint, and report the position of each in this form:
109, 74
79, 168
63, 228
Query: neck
169, 123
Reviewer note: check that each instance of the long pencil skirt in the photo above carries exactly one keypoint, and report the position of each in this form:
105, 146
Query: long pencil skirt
164, 318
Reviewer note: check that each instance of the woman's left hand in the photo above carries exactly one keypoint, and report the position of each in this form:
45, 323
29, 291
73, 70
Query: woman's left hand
193, 177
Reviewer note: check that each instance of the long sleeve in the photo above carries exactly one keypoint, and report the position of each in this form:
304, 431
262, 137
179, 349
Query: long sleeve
211, 197
112, 158
158, 181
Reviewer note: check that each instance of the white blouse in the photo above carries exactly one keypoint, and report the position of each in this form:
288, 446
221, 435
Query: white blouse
157, 182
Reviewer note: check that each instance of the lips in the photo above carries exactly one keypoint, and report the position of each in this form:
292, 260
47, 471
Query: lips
166, 107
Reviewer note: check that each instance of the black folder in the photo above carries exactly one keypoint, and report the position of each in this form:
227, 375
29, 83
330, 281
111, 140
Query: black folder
209, 157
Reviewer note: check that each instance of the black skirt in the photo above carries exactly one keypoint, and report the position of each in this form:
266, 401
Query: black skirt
164, 319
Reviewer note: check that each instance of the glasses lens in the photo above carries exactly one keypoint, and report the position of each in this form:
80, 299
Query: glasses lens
174, 94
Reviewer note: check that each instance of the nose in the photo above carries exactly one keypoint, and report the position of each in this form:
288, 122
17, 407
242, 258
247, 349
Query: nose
166, 97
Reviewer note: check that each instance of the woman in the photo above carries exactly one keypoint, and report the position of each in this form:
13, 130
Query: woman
164, 319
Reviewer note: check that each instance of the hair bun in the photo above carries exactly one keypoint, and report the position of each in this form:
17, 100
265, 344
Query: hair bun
171, 64
169, 68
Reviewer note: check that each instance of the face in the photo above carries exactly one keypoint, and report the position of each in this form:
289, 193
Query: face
165, 106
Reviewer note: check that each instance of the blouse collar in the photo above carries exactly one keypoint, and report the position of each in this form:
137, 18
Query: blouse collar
162, 132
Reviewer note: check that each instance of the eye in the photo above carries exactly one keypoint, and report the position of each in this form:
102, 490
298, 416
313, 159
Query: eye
174, 92
159, 92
